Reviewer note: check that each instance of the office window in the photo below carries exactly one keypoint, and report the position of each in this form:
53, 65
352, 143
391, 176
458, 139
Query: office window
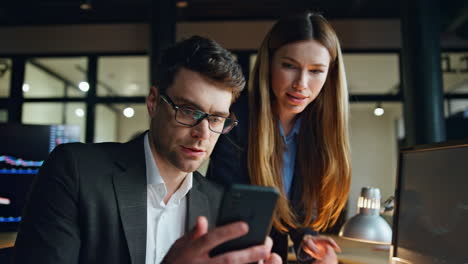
372, 73
456, 119
55, 77
56, 114
120, 122
456, 107
3, 115
5, 76
123, 76
455, 72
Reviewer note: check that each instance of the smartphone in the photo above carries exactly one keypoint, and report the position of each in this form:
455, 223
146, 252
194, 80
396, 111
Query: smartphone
251, 204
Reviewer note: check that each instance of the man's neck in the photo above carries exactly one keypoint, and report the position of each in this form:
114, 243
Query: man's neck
171, 176
173, 182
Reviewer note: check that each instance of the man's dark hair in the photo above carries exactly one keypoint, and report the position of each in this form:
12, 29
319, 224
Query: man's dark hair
203, 56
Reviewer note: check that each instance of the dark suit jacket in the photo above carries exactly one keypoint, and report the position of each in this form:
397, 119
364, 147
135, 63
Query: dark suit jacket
228, 165
89, 204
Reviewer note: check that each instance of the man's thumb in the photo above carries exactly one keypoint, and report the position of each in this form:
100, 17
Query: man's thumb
200, 228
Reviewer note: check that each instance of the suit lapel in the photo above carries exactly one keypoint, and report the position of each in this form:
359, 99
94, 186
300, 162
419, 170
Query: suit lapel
131, 193
197, 205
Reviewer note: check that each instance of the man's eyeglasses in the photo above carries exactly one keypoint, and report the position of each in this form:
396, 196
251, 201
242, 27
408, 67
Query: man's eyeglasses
191, 117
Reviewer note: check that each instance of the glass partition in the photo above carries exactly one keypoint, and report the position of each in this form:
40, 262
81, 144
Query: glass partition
120, 122
55, 77
5, 77
372, 73
455, 72
3, 115
123, 76
56, 114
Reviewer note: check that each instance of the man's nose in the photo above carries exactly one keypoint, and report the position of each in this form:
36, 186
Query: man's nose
202, 130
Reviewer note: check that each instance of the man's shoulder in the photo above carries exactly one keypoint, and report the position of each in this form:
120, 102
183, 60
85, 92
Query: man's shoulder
90, 153
206, 185
89, 148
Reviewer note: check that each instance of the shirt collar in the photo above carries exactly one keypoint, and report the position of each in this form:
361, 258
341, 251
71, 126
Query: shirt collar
154, 177
294, 131
152, 171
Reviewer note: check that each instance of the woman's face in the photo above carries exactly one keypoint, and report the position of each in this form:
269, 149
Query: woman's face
298, 72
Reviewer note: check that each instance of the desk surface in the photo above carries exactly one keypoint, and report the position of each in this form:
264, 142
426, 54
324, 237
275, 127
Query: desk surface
362, 253
352, 252
7, 239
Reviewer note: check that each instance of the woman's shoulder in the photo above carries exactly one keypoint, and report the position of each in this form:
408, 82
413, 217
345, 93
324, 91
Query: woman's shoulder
228, 159
241, 106
240, 109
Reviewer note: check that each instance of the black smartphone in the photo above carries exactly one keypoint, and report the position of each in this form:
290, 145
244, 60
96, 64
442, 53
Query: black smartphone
251, 204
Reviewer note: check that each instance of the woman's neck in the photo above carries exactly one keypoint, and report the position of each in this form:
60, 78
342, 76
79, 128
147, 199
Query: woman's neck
287, 122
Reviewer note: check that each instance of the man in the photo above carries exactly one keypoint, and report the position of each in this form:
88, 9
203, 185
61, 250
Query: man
128, 203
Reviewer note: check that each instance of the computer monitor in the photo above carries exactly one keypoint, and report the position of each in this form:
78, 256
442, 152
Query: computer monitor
431, 216
23, 148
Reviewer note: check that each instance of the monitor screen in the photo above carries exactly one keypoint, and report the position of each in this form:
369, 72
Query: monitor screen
23, 149
431, 217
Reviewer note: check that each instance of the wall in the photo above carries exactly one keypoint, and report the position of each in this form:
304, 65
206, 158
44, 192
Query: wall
373, 150
105, 129
74, 38
354, 34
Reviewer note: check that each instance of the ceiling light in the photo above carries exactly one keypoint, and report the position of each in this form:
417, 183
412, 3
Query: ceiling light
26, 87
182, 4
86, 5
84, 86
128, 112
79, 112
133, 87
4, 201
378, 110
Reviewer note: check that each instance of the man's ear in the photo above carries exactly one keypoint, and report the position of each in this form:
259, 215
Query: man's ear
152, 100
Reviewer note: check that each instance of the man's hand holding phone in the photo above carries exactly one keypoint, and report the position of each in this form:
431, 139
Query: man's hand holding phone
195, 246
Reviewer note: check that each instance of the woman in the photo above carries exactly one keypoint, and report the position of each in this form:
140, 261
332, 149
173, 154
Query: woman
293, 133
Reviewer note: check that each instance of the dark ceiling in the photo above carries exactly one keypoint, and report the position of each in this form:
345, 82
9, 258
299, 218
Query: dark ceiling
454, 13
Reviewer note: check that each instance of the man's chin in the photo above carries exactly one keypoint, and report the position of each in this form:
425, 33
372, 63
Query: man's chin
190, 166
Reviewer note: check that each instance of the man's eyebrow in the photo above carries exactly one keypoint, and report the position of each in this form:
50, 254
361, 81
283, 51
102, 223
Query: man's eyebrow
188, 102
295, 61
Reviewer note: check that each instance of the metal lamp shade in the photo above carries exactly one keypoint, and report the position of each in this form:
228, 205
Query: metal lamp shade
367, 225
367, 228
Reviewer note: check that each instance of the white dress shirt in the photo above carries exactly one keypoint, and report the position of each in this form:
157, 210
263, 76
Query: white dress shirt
165, 222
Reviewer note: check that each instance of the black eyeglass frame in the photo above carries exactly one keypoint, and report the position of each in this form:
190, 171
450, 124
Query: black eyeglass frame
204, 115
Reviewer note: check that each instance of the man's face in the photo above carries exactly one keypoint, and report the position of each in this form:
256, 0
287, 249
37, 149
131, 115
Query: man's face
178, 146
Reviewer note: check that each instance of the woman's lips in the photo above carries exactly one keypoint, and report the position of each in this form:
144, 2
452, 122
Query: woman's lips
296, 98
195, 152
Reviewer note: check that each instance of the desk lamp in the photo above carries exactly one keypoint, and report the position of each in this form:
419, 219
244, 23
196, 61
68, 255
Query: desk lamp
368, 226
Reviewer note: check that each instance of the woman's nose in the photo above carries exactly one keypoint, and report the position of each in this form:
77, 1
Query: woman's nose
301, 81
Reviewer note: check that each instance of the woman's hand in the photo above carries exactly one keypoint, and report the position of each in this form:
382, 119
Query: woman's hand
321, 248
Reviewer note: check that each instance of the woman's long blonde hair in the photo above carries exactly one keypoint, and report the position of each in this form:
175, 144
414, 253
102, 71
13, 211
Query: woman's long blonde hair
323, 160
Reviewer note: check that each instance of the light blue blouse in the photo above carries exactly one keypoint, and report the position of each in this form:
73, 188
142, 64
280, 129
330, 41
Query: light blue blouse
289, 154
